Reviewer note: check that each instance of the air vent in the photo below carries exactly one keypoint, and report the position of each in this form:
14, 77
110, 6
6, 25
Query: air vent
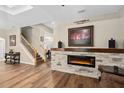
82, 21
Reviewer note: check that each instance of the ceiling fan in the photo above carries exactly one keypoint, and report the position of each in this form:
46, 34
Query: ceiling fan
83, 20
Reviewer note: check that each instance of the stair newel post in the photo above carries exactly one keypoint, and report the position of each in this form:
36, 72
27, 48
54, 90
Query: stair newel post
35, 51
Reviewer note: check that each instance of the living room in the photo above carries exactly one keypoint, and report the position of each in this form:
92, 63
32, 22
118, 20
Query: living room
86, 46
73, 53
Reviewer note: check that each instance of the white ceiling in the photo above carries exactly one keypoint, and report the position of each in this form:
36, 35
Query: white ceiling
15, 9
57, 13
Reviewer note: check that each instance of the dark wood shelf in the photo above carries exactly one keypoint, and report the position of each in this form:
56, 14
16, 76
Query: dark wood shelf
112, 69
100, 50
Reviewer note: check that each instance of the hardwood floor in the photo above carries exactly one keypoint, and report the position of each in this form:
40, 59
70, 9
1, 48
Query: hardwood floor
28, 76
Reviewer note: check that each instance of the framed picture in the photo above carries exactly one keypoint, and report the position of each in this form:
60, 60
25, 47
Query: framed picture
42, 39
12, 40
81, 36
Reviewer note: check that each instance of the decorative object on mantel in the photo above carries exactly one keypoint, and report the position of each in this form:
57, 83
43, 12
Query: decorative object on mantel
12, 40
81, 36
60, 44
111, 43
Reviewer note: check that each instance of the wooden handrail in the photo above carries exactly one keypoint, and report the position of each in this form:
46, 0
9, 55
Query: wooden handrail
28, 43
29, 47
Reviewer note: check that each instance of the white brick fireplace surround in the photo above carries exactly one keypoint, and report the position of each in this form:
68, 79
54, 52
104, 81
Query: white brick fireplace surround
59, 62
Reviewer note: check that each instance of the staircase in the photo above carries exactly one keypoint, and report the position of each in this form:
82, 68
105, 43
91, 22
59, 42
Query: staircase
37, 58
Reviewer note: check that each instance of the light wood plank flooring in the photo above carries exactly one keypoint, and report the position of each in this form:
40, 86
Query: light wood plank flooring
28, 76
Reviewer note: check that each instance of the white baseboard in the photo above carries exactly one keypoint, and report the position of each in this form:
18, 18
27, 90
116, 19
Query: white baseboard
27, 63
2, 59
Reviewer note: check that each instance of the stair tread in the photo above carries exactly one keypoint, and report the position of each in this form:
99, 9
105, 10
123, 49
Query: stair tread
39, 60
38, 57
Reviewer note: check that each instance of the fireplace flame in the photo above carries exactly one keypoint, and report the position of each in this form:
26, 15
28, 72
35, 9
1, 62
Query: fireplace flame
81, 62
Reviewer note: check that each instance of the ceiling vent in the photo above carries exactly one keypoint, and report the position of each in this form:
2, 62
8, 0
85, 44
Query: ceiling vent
82, 21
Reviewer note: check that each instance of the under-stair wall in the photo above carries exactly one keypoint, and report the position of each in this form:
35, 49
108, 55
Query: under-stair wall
31, 50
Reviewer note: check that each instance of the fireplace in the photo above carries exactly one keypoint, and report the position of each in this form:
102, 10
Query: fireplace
88, 61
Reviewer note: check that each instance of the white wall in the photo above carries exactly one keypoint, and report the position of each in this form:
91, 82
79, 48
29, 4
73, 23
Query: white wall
122, 27
24, 58
13, 31
3, 20
27, 33
103, 31
2, 33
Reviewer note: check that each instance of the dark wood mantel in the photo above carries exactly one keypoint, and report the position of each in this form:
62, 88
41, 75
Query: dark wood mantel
101, 50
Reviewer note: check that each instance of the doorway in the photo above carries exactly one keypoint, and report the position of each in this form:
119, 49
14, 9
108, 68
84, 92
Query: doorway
2, 48
48, 42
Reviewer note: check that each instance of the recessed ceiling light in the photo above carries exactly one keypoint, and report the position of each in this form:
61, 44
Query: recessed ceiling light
15, 9
53, 23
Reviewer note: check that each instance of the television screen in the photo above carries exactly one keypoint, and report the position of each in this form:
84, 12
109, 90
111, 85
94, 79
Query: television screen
81, 36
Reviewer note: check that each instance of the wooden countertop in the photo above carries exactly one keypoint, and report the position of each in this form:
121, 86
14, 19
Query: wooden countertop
100, 50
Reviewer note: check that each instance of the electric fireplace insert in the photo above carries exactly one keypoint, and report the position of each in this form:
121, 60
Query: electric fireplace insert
88, 61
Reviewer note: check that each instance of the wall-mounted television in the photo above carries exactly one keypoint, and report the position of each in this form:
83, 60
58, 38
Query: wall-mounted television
81, 36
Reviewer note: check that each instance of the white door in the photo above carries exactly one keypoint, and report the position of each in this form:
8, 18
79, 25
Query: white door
2, 49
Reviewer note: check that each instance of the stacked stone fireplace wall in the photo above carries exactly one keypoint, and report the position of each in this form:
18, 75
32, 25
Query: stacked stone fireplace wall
59, 62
